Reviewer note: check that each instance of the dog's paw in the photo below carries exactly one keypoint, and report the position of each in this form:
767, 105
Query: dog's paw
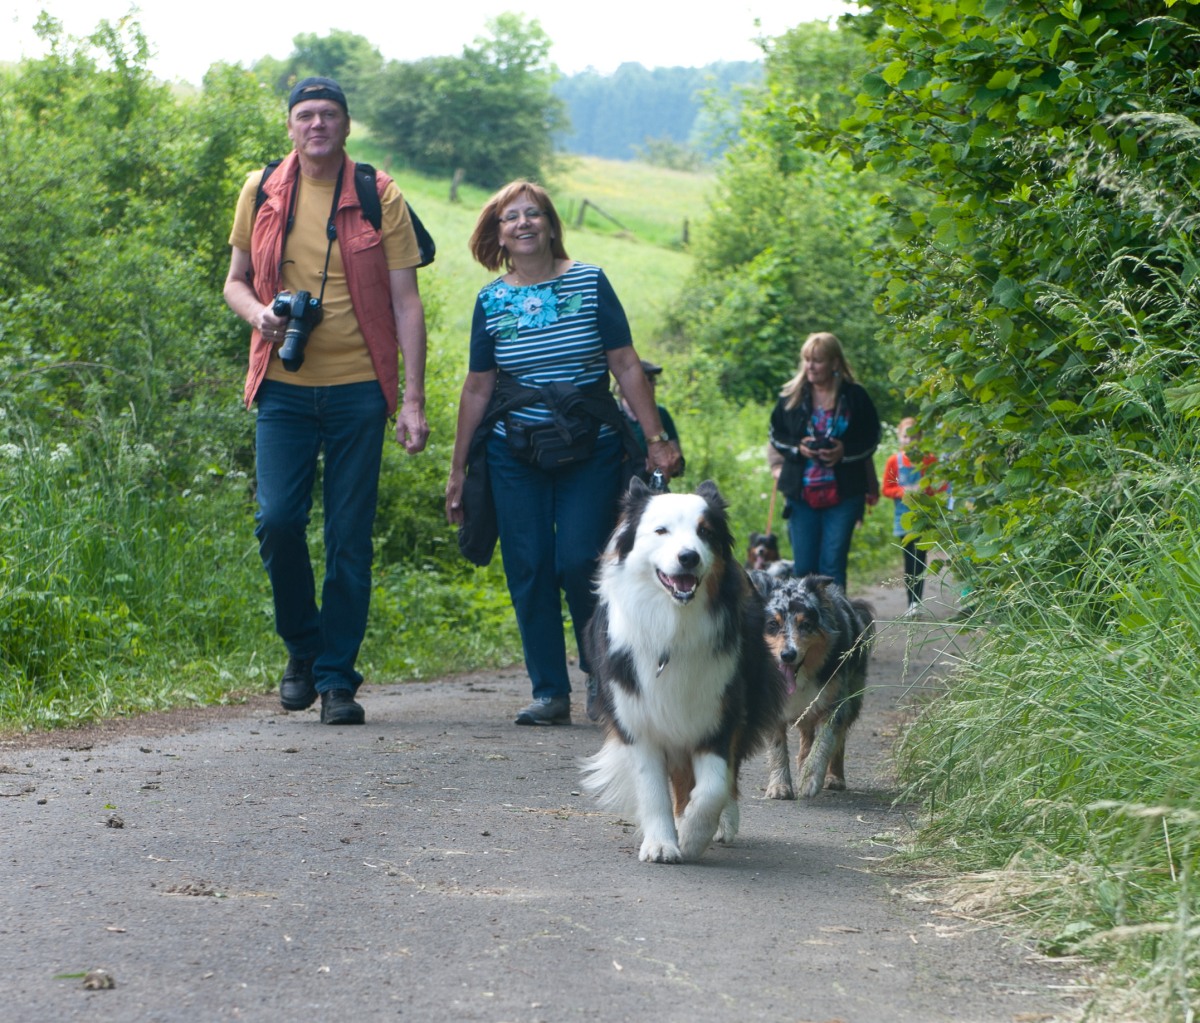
697, 832
835, 784
659, 851
727, 829
780, 790
810, 784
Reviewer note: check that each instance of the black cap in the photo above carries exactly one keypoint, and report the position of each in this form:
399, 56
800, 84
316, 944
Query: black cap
317, 88
651, 369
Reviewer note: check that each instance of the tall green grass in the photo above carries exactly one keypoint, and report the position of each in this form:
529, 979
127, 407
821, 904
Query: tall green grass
1062, 764
107, 582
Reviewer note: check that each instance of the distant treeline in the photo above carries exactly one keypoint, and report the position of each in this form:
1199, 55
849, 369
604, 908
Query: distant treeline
429, 111
616, 115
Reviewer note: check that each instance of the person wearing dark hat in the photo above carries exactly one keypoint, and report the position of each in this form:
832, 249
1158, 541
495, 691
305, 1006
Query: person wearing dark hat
333, 306
653, 371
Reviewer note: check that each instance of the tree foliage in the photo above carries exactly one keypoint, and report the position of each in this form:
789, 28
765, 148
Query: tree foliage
1040, 276
781, 255
350, 59
491, 112
115, 202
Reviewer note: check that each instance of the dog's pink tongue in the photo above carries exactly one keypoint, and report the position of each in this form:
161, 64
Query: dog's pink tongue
683, 583
789, 678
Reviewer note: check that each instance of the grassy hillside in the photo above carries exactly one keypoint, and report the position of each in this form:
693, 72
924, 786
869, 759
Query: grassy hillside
646, 264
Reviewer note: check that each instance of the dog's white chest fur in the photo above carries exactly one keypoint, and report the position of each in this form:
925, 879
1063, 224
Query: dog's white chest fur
658, 601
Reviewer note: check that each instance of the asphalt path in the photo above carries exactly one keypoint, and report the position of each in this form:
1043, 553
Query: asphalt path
442, 864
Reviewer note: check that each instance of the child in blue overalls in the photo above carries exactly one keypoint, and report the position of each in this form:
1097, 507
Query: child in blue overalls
901, 478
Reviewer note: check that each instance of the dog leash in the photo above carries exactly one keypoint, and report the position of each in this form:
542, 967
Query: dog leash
771, 506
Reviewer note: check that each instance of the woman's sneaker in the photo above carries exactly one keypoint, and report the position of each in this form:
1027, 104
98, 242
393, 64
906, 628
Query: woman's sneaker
549, 710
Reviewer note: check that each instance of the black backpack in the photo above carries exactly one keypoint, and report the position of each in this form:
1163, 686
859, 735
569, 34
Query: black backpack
368, 199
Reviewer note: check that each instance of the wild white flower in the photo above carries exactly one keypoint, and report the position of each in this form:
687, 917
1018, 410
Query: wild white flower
12, 451
60, 453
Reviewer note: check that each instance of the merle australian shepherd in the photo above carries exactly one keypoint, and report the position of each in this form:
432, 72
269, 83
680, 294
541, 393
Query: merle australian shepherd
687, 685
822, 642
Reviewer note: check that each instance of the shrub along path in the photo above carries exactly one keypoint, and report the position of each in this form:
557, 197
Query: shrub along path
440, 864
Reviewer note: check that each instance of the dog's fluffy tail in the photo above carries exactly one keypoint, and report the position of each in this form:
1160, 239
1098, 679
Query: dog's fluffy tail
609, 776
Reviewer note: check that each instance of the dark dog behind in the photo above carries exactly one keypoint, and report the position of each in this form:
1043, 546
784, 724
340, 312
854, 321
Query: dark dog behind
821, 640
763, 551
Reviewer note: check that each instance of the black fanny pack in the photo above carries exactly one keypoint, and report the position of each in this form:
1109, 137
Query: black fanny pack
551, 445
568, 436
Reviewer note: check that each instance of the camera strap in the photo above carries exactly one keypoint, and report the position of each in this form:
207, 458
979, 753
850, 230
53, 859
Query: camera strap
330, 228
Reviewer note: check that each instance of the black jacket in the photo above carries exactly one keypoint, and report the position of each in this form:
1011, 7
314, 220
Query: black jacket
790, 426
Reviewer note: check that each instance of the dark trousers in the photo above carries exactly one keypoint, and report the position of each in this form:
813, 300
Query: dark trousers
553, 526
294, 424
821, 537
914, 572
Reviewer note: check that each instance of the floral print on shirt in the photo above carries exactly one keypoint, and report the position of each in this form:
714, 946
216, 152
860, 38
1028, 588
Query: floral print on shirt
530, 306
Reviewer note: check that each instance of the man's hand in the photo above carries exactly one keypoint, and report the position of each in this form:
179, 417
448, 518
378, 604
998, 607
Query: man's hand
411, 428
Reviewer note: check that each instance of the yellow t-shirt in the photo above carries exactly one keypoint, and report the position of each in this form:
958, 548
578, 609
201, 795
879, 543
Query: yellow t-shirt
336, 352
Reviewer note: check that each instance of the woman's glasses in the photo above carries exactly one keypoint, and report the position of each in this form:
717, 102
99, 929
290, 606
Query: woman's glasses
512, 216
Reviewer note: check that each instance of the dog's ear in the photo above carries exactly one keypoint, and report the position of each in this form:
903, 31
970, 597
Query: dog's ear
637, 486
757, 538
762, 582
708, 490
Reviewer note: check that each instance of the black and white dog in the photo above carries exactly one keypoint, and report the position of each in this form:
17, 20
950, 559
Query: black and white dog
822, 642
688, 687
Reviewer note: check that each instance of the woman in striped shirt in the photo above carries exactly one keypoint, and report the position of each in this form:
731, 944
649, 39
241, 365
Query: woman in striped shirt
547, 320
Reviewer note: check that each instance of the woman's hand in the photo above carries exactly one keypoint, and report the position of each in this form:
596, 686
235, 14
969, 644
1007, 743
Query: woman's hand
664, 455
472, 404
454, 491
833, 454
829, 453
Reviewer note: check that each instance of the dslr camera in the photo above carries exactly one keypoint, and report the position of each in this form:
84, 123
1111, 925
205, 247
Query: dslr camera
821, 443
303, 312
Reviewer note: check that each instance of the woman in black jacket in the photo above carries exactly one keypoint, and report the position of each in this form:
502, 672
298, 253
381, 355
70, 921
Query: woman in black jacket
824, 430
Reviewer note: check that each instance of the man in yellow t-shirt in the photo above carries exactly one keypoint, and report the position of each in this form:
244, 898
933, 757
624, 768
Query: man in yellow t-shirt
309, 235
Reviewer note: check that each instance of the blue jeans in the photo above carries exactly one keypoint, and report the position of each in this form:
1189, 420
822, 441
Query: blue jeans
821, 539
553, 526
294, 423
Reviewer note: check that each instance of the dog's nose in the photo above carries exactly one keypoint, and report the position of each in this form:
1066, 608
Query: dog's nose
788, 655
688, 558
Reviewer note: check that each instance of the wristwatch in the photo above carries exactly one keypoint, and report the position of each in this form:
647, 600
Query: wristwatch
658, 438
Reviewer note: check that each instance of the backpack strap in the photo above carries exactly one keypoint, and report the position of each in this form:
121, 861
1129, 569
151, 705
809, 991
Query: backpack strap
368, 194
367, 190
261, 196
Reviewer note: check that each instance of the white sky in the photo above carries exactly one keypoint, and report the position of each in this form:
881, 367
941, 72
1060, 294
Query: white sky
187, 36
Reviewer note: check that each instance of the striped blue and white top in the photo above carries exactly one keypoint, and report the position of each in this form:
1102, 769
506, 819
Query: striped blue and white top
557, 330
